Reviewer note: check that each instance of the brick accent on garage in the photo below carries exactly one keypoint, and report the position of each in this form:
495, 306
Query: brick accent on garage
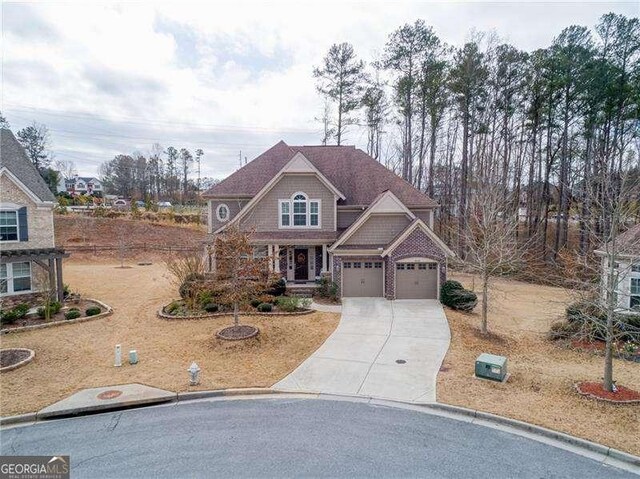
417, 244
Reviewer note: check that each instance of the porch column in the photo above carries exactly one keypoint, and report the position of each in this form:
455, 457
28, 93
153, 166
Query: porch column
59, 283
52, 275
276, 258
324, 258
270, 256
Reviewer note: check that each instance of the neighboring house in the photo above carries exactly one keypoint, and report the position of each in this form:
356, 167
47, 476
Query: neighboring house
81, 185
26, 227
627, 268
334, 211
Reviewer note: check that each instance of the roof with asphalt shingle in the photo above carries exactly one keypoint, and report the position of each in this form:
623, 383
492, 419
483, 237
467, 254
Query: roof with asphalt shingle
14, 158
358, 176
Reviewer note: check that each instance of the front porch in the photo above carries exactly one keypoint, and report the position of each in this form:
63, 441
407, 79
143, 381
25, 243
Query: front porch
299, 263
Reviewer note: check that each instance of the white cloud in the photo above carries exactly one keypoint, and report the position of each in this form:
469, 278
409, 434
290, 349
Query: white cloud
109, 79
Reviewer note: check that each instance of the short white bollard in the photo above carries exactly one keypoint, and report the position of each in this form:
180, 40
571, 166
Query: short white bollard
118, 361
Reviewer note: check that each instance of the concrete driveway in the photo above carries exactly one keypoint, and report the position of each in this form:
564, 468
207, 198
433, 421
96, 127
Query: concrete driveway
365, 354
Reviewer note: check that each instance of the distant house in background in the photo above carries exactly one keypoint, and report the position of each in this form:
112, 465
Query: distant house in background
27, 243
81, 185
627, 269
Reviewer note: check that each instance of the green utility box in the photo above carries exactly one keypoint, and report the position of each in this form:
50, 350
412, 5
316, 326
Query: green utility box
490, 366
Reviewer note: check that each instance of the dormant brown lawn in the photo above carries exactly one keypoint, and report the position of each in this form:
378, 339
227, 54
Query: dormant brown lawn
540, 389
73, 357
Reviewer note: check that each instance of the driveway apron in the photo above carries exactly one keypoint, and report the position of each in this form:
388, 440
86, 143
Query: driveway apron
383, 349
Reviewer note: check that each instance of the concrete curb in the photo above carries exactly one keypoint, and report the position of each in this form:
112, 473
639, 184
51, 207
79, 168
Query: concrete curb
581, 446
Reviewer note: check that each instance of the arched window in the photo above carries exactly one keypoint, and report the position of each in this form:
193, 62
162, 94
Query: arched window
299, 211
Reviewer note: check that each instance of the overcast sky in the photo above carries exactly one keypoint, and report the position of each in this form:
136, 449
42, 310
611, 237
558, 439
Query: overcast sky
115, 78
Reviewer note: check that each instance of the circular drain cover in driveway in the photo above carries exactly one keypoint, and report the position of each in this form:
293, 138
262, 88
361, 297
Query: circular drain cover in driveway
111, 394
401, 361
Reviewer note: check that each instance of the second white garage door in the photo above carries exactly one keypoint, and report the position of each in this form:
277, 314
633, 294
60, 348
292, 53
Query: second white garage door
362, 278
416, 280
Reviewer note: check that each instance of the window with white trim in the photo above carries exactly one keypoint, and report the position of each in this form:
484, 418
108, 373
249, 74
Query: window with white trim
8, 225
15, 277
634, 294
222, 212
299, 212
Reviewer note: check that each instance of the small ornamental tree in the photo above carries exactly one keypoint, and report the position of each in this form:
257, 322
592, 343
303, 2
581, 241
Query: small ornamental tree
245, 276
491, 240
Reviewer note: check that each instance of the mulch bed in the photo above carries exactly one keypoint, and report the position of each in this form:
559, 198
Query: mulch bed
595, 390
81, 304
236, 333
9, 357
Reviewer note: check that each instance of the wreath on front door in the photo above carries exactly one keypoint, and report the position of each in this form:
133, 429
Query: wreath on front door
301, 258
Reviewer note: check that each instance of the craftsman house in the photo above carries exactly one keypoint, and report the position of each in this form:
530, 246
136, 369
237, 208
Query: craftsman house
337, 212
626, 270
26, 228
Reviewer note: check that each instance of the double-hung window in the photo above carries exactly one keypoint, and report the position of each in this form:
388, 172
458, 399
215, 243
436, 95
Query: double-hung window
285, 213
15, 277
634, 300
8, 226
299, 212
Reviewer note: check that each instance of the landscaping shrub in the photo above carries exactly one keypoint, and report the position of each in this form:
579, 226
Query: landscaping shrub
21, 310
17, 312
172, 307
72, 314
328, 289
592, 320
292, 303
256, 302
265, 307
205, 297
8, 317
211, 308
453, 294
190, 285
54, 308
267, 298
585, 311
92, 311
277, 288
563, 330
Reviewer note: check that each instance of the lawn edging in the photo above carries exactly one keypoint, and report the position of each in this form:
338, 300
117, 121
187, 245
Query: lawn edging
108, 312
19, 364
162, 315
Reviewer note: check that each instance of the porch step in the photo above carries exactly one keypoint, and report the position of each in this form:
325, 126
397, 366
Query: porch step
304, 290
300, 294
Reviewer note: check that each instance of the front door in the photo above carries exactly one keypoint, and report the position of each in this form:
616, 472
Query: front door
301, 259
